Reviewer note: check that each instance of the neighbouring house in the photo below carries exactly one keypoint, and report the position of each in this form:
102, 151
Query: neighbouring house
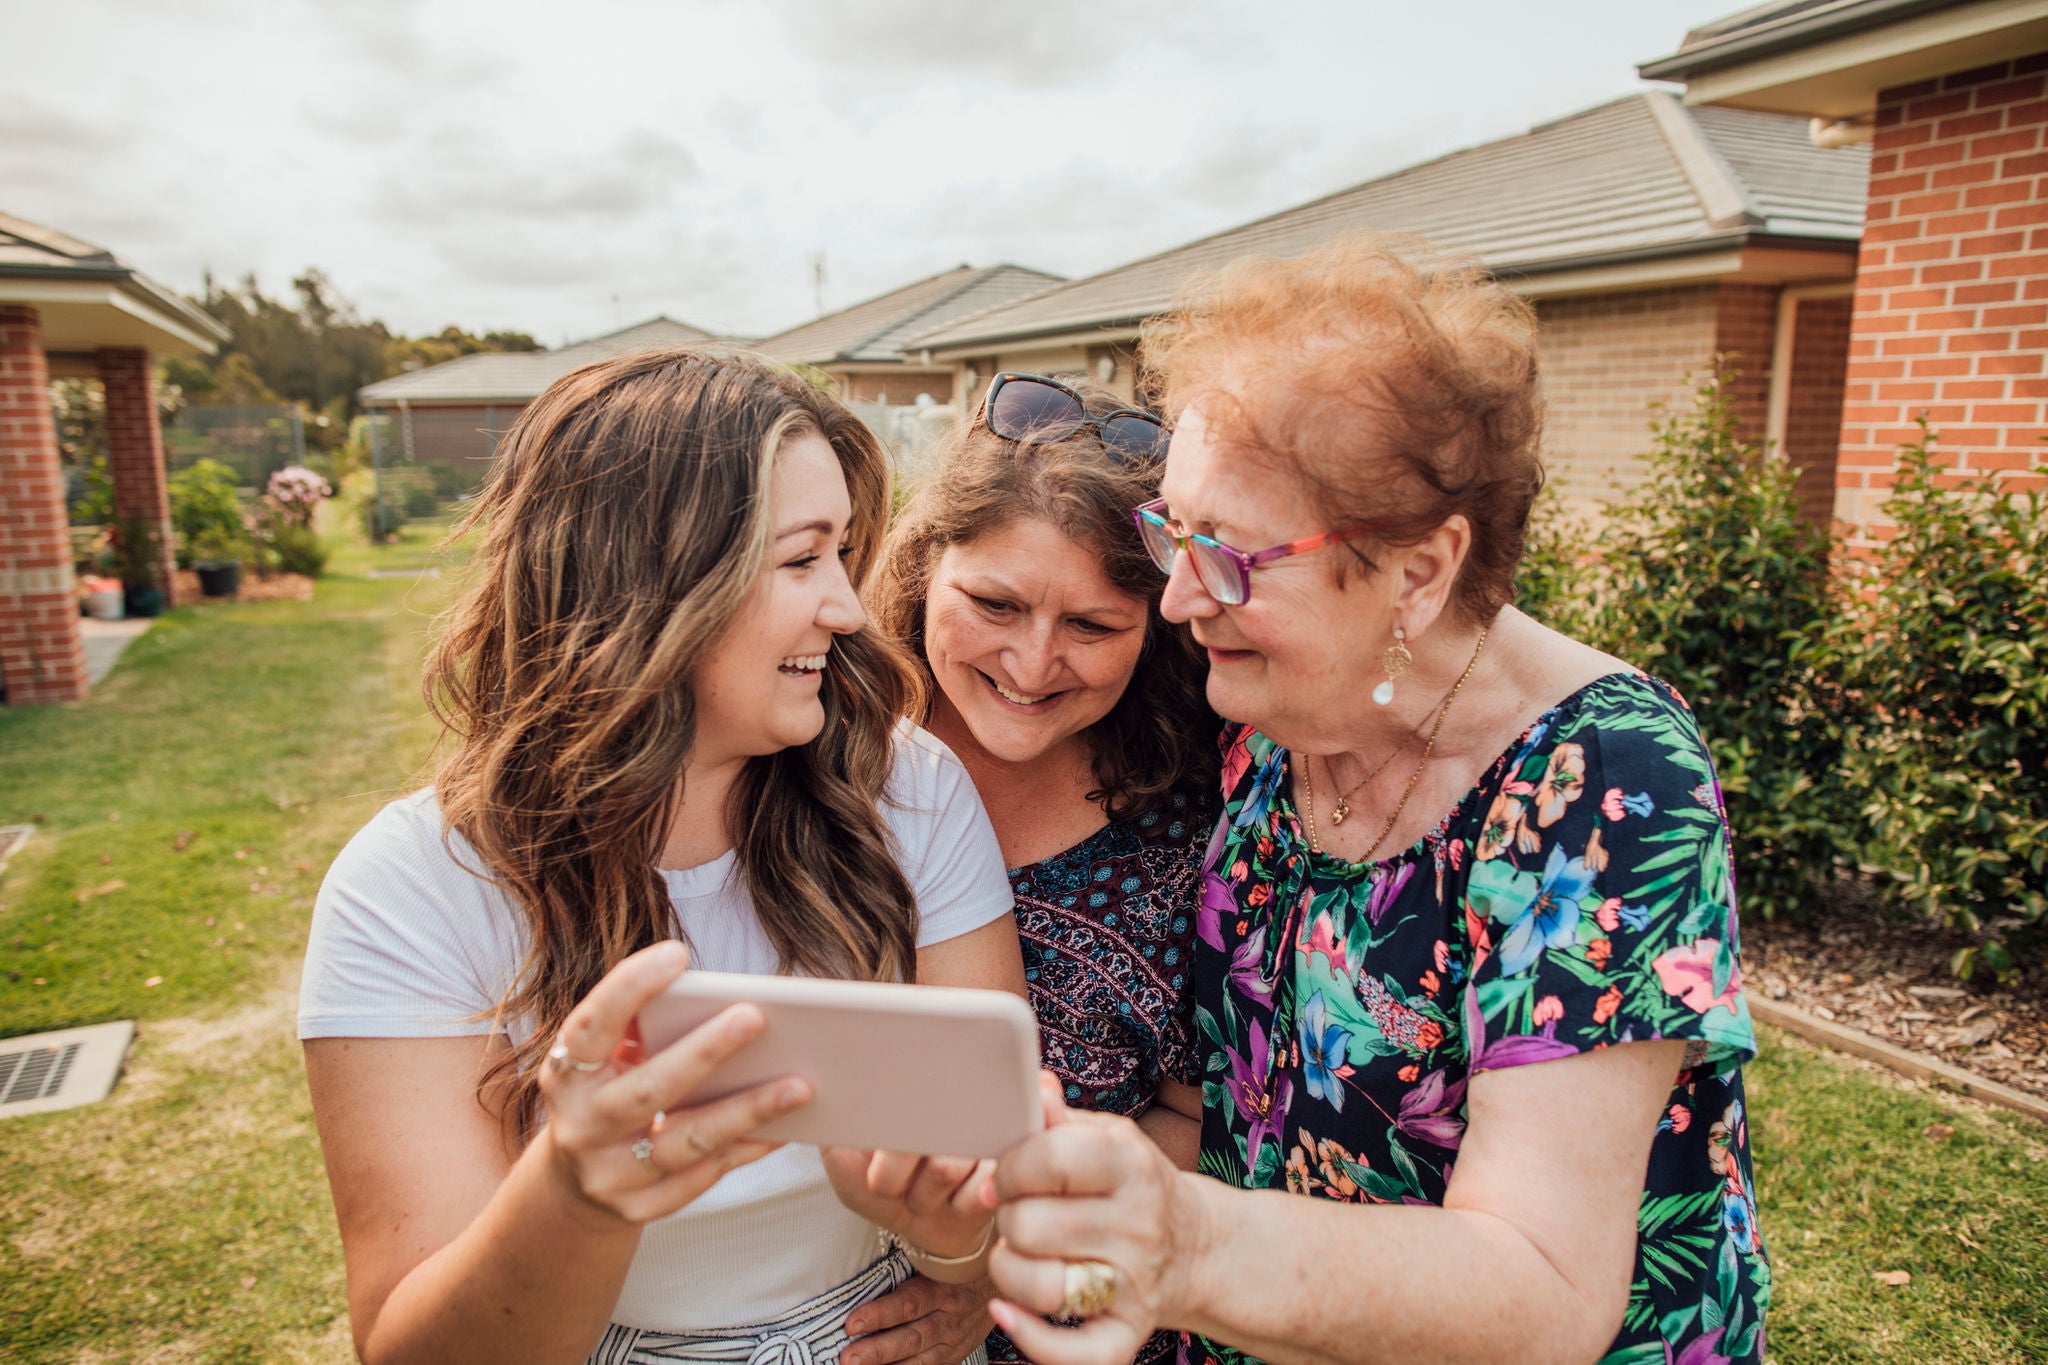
1951, 285
453, 413
862, 347
72, 310
1651, 237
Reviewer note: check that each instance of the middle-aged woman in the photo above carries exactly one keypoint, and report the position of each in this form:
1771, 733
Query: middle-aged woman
1013, 577
1467, 972
668, 720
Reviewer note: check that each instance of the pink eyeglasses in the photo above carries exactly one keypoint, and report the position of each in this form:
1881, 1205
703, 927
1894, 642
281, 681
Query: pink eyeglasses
1225, 570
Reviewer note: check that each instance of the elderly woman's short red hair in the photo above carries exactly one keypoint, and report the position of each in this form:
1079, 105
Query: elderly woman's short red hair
1400, 383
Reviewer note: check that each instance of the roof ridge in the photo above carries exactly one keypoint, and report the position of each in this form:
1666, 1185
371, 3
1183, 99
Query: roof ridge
1723, 196
875, 299
52, 239
982, 275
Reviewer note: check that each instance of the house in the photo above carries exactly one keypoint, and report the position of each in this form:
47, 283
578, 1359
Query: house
862, 347
73, 310
453, 413
1951, 284
1651, 236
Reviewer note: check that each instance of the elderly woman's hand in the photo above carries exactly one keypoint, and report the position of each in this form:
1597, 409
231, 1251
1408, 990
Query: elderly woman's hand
1089, 1188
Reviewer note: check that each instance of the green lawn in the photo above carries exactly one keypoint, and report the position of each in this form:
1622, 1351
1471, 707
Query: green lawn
186, 1219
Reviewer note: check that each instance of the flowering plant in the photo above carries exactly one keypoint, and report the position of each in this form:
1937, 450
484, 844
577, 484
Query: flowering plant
294, 493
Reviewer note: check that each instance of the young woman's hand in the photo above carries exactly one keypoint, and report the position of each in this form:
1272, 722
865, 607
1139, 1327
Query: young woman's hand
920, 1322
614, 1135
933, 1203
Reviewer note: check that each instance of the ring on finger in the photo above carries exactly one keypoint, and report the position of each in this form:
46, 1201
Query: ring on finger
1090, 1288
560, 1060
643, 1152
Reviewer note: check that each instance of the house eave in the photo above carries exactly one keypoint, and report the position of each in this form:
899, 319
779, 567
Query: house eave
1832, 63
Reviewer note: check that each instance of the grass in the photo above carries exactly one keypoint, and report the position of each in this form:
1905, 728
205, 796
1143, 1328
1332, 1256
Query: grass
185, 813
187, 1218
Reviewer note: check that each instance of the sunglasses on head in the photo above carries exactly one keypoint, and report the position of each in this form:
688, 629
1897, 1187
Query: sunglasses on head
1029, 407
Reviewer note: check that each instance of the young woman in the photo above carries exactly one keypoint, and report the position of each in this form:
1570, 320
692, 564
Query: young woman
1014, 578
666, 720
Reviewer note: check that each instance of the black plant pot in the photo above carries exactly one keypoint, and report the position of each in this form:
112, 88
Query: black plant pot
219, 580
147, 600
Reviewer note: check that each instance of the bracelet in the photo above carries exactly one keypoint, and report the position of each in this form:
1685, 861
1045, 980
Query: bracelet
897, 1242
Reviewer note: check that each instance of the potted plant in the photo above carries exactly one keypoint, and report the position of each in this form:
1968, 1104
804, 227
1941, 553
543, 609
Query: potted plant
136, 548
217, 557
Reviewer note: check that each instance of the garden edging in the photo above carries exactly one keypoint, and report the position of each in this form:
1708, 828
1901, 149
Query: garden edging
1815, 1029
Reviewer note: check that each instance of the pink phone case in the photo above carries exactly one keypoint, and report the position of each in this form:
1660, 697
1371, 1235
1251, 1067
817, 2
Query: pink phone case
928, 1069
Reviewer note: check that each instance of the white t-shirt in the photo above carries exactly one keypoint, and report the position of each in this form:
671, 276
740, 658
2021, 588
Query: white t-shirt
408, 943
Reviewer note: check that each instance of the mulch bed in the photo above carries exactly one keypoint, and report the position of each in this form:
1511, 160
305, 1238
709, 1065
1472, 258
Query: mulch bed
279, 587
1890, 978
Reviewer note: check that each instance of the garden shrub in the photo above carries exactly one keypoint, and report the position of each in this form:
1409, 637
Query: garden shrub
1707, 578
1555, 577
298, 549
206, 512
1946, 643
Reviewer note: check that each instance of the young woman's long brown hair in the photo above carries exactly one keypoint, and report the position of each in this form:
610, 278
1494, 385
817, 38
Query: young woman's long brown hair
625, 522
1159, 737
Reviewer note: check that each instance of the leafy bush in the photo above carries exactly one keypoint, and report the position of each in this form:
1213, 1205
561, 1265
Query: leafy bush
1558, 567
1946, 645
1707, 578
382, 518
206, 512
298, 549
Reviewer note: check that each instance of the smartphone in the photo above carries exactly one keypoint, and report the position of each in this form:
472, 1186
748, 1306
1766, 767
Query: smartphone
935, 1070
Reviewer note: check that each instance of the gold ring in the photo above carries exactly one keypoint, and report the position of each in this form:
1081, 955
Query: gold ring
1090, 1288
560, 1060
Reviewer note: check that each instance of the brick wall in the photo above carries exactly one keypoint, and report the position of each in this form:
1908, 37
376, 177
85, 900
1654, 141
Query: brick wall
135, 449
899, 390
1951, 316
1813, 417
41, 656
1607, 360
1745, 331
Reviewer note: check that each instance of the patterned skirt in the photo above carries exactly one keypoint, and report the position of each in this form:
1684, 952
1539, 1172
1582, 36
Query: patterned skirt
812, 1333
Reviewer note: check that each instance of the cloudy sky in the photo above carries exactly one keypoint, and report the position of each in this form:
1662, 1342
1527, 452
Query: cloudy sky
567, 168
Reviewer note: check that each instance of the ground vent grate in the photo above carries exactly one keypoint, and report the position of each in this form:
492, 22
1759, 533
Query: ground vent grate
61, 1070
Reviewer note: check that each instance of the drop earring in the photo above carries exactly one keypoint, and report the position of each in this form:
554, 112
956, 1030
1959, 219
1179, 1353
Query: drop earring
1395, 661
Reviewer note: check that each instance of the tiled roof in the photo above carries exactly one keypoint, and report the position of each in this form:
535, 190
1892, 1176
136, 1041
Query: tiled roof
877, 329
1780, 26
32, 251
1637, 178
520, 376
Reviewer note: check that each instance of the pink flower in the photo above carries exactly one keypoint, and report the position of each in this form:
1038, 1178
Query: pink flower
1688, 973
1442, 953
1610, 804
1681, 1118
1548, 1010
1322, 938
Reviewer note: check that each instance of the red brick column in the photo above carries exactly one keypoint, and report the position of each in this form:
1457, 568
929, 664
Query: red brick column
41, 656
135, 448
1952, 284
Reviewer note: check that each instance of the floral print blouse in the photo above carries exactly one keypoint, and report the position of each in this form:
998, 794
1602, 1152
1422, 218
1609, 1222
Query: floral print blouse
1579, 896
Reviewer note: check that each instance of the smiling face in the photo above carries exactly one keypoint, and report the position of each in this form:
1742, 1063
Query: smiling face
1299, 658
758, 691
1028, 640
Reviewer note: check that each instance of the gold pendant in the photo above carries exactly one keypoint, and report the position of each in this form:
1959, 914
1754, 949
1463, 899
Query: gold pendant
1343, 809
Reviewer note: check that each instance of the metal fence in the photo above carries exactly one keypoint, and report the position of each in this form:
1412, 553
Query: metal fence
253, 440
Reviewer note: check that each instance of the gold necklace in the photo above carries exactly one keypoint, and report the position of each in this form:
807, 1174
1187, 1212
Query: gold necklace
1308, 782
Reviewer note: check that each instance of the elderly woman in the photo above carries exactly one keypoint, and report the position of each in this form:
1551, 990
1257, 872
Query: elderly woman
1467, 977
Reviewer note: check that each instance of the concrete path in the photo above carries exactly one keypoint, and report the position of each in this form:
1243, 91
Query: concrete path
104, 641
